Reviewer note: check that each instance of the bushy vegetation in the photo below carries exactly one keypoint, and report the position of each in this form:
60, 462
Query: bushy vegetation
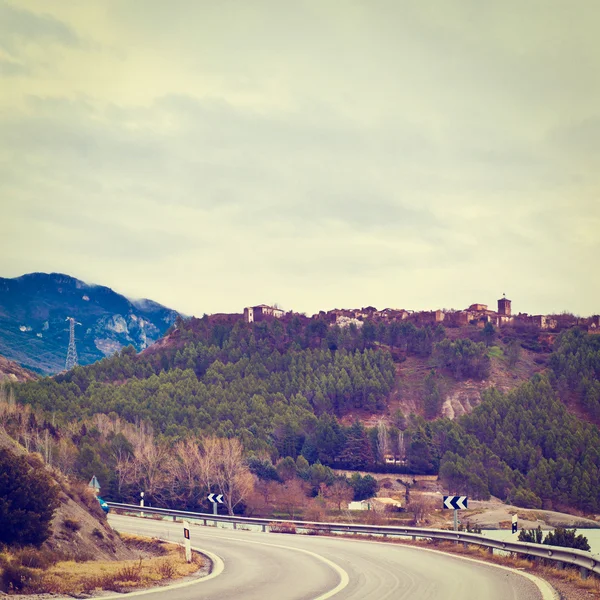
553, 458
576, 366
28, 498
464, 358
567, 538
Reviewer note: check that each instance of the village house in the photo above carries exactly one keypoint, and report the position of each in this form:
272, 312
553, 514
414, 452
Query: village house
428, 317
261, 312
391, 314
477, 308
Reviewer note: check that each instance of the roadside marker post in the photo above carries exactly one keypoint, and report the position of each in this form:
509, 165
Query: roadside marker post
515, 524
456, 503
188, 543
142, 503
215, 499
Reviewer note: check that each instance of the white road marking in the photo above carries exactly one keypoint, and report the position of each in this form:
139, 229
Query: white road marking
547, 591
344, 578
218, 567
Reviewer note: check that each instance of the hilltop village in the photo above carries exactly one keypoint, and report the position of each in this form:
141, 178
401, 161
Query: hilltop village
476, 314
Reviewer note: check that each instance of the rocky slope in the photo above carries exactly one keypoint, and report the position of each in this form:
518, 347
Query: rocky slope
35, 334
11, 372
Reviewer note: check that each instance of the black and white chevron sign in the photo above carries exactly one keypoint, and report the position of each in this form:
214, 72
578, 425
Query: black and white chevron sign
215, 498
455, 502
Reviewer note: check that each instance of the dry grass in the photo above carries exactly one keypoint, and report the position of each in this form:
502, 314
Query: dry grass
279, 527
158, 562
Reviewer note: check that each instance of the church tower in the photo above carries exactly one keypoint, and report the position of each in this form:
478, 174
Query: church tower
504, 306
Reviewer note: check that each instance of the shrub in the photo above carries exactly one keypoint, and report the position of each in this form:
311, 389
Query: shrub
567, 538
16, 578
314, 530
28, 499
166, 569
131, 572
72, 524
35, 559
278, 527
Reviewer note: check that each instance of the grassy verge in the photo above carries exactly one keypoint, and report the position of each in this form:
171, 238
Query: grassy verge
31, 571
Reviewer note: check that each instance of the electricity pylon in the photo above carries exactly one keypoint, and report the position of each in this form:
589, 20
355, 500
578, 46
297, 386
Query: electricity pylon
72, 351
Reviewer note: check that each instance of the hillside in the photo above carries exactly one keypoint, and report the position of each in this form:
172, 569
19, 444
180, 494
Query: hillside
460, 397
296, 389
10, 371
34, 334
78, 529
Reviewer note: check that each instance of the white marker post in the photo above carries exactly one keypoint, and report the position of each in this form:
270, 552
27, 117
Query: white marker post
142, 503
188, 543
515, 524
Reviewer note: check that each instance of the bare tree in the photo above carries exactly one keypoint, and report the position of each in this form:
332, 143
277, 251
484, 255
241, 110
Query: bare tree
291, 498
382, 441
189, 470
208, 461
66, 455
44, 445
339, 493
262, 497
421, 506
125, 468
233, 478
153, 465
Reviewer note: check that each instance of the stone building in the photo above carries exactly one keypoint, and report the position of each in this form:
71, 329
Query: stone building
259, 313
504, 307
544, 322
478, 307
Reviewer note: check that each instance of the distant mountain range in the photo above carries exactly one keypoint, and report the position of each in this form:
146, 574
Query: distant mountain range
35, 334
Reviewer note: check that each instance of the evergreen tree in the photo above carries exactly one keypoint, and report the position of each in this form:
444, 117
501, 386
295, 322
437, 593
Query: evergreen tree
28, 499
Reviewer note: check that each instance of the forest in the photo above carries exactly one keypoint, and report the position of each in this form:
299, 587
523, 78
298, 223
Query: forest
281, 389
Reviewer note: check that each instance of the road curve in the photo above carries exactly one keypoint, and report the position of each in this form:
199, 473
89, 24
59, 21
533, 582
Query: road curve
289, 567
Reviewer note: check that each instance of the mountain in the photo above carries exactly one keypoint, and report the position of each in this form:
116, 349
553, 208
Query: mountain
35, 334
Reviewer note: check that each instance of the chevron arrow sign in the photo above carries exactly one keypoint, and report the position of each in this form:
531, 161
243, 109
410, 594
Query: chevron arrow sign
455, 502
218, 498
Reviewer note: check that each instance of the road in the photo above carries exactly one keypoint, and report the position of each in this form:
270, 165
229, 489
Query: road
264, 566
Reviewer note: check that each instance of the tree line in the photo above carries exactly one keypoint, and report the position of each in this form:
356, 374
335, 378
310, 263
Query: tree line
280, 388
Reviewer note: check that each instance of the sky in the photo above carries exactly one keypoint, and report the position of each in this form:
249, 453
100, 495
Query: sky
317, 154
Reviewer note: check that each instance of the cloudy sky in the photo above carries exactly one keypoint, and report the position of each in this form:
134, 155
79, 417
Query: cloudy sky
315, 153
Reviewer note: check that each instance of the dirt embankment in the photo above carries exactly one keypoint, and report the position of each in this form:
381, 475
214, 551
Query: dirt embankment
79, 527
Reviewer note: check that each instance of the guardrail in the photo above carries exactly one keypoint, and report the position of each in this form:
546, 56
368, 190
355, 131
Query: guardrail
585, 561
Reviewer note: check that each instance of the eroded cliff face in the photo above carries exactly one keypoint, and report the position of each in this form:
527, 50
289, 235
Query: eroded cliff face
459, 397
33, 331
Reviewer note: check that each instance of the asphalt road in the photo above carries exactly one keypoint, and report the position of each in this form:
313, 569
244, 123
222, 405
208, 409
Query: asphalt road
289, 567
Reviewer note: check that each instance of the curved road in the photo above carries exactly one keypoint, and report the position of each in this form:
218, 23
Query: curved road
264, 566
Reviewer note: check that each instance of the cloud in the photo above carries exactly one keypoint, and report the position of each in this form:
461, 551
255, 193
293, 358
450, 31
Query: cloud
19, 26
9, 68
307, 152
